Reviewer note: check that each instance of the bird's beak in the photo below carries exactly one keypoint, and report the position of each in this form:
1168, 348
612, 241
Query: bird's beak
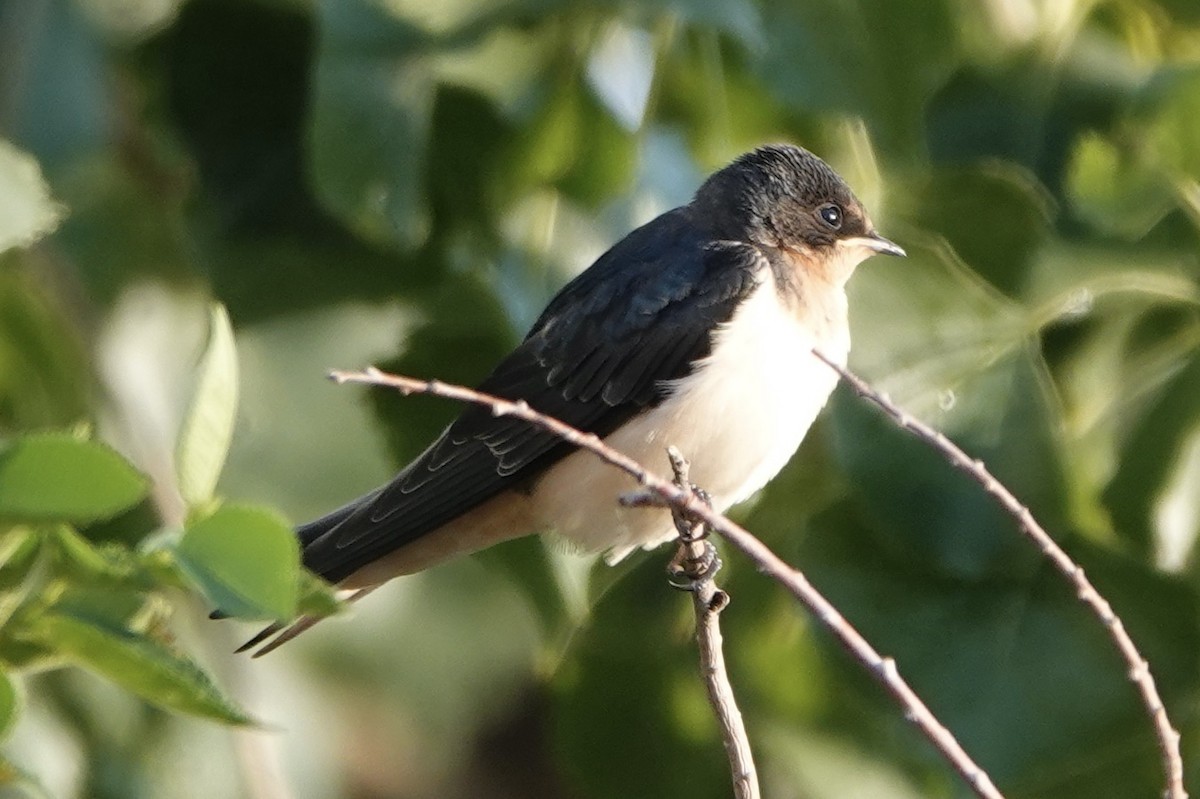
878, 244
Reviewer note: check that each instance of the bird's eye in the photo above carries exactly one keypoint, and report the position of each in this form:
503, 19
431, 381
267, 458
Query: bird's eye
831, 215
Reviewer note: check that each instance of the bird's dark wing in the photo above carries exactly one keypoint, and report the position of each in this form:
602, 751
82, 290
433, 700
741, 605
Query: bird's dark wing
598, 355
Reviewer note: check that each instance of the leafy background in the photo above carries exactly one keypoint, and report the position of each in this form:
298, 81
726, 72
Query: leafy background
407, 183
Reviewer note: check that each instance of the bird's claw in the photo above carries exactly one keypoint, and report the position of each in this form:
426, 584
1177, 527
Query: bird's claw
687, 570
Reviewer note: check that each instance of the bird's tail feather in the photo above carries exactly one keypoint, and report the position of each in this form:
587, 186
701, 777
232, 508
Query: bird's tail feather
287, 632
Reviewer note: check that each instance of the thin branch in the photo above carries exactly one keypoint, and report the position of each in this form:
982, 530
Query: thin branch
1139, 668
697, 562
883, 669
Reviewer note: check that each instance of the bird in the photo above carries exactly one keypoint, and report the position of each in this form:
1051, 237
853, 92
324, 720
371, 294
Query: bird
695, 330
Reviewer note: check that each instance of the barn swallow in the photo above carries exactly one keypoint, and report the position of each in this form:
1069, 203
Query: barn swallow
695, 330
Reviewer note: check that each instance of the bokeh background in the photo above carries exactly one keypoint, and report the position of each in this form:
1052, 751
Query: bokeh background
406, 183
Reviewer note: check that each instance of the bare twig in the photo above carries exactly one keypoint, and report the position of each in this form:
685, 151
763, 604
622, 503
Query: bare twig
883, 669
697, 562
1139, 668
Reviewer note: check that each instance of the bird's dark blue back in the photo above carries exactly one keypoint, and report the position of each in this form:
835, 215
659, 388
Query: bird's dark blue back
603, 351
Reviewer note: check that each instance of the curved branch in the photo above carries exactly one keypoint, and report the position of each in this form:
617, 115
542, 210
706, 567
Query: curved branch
1139, 668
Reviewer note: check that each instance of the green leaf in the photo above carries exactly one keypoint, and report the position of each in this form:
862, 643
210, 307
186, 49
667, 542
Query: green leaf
1116, 189
27, 211
10, 704
246, 560
317, 597
937, 515
46, 381
109, 606
997, 660
208, 427
82, 560
18, 552
21, 654
994, 216
151, 670
1175, 132
1151, 454
369, 77
871, 72
56, 477
619, 675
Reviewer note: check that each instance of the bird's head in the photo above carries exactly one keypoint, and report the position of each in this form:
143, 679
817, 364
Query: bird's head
784, 197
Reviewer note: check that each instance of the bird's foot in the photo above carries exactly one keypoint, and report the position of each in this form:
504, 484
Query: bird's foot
696, 561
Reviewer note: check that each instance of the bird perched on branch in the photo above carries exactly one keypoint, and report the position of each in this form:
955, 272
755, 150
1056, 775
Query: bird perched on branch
695, 330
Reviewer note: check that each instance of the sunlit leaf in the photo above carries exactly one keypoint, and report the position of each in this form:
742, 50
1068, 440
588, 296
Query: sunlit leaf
208, 426
246, 560
19, 548
17, 784
27, 211
55, 476
157, 673
1112, 189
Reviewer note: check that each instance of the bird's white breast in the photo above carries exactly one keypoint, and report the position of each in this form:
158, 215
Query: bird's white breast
738, 418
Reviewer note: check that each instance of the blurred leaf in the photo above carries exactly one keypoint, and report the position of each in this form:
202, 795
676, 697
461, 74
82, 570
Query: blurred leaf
922, 364
995, 217
937, 515
1022, 109
246, 560
27, 211
464, 318
104, 605
633, 667
1111, 189
145, 667
127, 226
54, 476
463, 163
827, 767
607, 156
370, 78
18, 653
974, 376
46, 379
1018, 669
237, 83
208, 426
530, 568
19, 548
10, 705
1150, 455
1175, 130
317, 597
858, 58
77, 557
16, 784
